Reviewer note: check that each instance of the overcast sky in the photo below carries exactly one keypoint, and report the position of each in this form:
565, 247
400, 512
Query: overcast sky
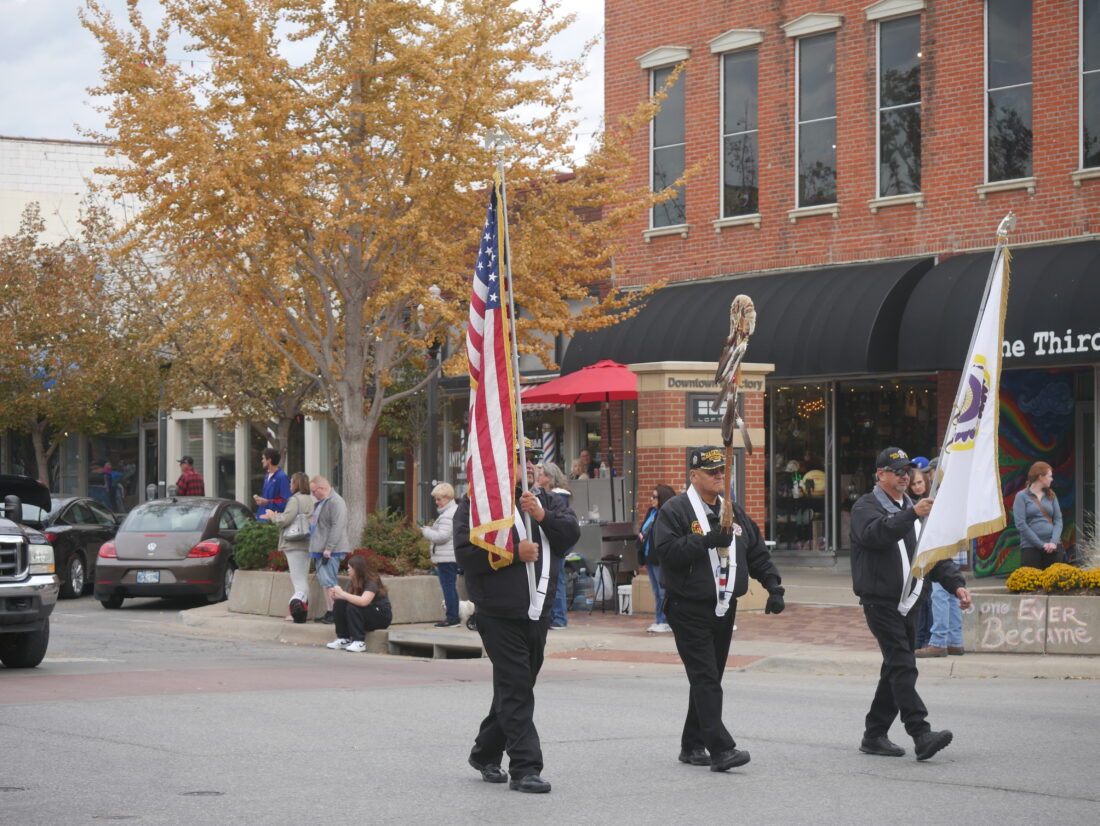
48, 60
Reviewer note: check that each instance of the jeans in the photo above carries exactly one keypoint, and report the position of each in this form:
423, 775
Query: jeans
448, 577
654, 572
947, 619
557, 610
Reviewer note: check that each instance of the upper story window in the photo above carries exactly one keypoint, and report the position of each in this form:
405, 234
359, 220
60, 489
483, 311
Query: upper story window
1008, 84
668, 147
740, 145
899, 106
817, 120
1090, 83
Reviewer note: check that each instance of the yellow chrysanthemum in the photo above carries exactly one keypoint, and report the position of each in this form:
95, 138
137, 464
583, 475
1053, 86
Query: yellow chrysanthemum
1025, 579
1062, 577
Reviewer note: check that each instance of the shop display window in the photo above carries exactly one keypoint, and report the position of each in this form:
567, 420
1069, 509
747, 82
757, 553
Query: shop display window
799, 481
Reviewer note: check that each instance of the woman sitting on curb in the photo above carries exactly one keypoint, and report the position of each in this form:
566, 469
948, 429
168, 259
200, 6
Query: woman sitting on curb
364, 607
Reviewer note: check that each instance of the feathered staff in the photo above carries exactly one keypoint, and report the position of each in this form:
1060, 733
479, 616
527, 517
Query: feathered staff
728, 378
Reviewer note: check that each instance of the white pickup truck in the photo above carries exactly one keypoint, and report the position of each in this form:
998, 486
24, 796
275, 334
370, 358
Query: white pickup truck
28, 583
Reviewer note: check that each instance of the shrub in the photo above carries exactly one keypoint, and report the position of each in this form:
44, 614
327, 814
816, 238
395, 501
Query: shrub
1091, 578
276, 561
381, 565
1062, 577
1025, 579
254, 545
389, 536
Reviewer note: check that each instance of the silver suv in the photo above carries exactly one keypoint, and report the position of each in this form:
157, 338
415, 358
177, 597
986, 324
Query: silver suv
28, 583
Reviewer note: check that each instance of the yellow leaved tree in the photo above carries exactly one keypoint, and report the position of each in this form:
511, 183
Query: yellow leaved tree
322, 162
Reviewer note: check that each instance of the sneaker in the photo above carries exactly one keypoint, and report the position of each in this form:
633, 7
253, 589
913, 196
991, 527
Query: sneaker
655, 628
357, 647
664, 628
339, 644
447, 624
557, 626
299, 610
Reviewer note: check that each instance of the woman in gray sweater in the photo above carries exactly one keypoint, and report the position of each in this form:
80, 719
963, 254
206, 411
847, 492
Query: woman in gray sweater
1038, 519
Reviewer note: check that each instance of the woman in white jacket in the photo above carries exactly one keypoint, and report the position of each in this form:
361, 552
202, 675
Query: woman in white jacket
441, 534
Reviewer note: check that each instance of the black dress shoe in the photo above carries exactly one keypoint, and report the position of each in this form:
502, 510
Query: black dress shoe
931, 742
696, 757
530, 783
490, 772
880, 745
729, 759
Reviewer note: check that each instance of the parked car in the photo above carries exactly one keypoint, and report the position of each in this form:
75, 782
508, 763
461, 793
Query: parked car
28, 584
171, 547
76, 527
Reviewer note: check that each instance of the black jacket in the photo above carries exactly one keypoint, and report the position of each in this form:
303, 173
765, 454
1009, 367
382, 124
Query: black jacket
876, 562
504, 592
684, 556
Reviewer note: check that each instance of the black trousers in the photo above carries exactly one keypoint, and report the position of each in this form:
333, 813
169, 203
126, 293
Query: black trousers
703, 643
897, 683
515, 647
1038, 558
354, 621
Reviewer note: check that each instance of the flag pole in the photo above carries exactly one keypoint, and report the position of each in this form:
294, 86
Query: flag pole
497, 140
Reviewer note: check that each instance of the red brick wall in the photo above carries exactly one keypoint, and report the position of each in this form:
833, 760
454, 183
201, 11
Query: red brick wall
953, 218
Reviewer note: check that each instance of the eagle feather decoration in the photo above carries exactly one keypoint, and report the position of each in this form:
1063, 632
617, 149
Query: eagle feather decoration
728, 375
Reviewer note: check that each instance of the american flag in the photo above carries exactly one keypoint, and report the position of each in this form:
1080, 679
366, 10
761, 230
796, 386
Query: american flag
490, 462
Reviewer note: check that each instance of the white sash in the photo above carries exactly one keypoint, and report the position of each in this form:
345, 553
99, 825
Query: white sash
537, 593
716, 562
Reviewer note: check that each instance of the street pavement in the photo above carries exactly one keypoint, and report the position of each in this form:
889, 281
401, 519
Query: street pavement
136, 716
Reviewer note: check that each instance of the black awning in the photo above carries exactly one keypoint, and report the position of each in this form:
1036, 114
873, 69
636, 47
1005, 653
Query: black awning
1054, 291
835, 321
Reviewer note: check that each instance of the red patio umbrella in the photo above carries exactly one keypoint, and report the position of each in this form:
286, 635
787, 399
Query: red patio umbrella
604, 381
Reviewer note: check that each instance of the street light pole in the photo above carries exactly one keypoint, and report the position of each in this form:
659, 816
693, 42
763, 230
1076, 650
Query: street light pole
431, 466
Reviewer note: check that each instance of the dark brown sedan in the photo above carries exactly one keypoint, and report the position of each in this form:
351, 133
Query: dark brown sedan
171, 547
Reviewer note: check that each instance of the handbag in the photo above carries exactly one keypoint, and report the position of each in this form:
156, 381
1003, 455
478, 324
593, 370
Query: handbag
298, 529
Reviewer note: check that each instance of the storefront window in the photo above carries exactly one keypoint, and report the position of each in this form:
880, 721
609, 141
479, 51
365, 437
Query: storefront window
225, 451
119, 455
66, 476
393, 474
797, 450
872, 415
192, 443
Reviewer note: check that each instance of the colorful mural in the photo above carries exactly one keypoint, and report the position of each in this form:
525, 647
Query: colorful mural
1036, 424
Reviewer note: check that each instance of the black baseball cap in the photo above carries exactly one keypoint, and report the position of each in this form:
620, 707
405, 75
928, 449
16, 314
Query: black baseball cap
186, 460
707, 457
894, 458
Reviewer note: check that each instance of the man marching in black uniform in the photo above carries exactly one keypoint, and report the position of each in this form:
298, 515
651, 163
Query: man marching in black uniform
513, 641
703, 580
884, 541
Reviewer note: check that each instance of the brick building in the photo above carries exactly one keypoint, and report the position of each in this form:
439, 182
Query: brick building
846, 166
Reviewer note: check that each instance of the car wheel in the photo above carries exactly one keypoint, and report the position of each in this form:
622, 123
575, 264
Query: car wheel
112, 602
222, 593
25, 650
74, 576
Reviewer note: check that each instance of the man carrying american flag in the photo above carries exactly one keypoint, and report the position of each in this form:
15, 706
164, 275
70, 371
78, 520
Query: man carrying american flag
510, 563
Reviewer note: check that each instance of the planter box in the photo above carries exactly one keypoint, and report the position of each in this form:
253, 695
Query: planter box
414, 598
1032, 624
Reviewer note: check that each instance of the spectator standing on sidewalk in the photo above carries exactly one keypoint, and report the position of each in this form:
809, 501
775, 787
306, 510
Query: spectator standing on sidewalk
276, 489
1038, 519
328, 538
647, 556
551, 478
946, 636
705, 569
190, 482
884, 542
296, 551
441, 534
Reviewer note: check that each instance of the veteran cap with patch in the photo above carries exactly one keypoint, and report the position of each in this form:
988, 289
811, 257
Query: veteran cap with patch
532, 449
707, 457
894, 458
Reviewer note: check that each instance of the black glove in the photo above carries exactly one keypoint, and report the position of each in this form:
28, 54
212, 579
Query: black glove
719, 538
775, 604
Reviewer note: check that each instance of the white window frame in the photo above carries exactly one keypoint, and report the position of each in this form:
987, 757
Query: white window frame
1081, 168
735, 42
798, 123
670, 229
1008, 183
909, 196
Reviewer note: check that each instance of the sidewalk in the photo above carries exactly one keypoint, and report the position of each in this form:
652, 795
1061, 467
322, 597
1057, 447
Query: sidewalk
822, 631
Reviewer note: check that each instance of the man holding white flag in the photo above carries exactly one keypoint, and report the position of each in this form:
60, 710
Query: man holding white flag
884, 542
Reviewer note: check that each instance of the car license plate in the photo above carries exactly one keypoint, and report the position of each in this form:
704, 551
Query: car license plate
148, 577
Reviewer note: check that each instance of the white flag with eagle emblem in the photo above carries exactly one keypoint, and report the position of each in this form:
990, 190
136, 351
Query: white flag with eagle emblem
969, 502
